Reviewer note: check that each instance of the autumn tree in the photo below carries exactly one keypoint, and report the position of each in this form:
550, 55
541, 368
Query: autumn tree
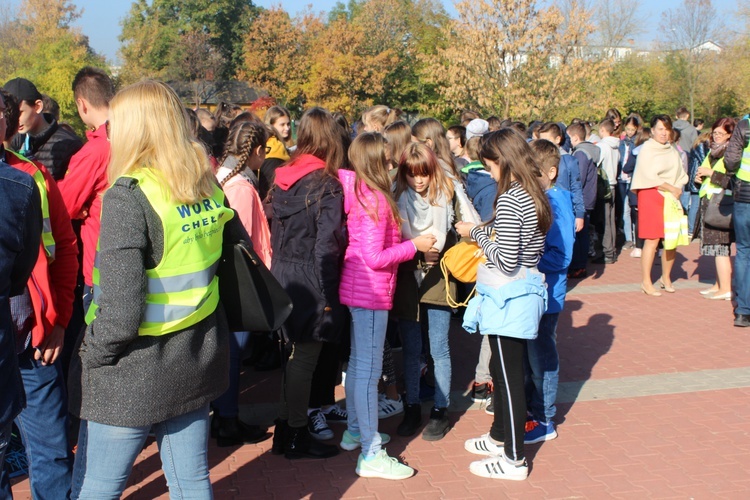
412, 31
199, 63
276, 54
43, 46
344, 75
513, 58
687, 28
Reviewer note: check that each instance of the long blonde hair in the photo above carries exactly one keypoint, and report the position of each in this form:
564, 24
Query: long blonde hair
367, 157
148, 128
380, 116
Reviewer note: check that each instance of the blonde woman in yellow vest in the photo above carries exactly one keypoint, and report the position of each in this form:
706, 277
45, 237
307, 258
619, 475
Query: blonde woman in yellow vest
155, 351
716, 242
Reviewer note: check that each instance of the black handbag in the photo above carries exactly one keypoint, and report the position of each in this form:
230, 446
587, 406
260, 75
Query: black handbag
719, 211
253, 299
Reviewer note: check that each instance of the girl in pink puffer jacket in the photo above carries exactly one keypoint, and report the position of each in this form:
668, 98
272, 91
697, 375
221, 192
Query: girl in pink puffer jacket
368, 281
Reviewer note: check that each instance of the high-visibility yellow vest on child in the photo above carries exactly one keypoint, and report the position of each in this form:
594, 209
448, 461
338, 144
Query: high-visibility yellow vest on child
183, 288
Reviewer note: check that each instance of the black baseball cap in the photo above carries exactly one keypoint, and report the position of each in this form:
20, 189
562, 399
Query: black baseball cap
23, 90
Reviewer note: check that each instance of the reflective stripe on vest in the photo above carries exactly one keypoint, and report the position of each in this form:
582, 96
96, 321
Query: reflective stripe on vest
183, 288
47, 238
708, 189
744, 171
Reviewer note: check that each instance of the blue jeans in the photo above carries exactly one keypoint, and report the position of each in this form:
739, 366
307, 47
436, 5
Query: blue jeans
228, 404
44, 429
544, 365
438, 321
106, 454
627, 224
362, 375
741, 283
691, 203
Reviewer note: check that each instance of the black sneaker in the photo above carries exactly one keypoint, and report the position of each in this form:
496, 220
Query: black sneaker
480, 392
318, 427
438, 425
742, 320
235, 432
299, 444
412, 420
335, 415
490, 408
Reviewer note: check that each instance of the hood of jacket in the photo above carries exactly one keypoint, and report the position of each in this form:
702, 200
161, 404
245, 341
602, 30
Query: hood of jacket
478, 180
611, 141
591, 150
299, 167
278, 150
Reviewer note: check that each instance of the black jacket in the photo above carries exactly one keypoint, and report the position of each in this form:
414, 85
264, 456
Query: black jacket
52, 147
732, 158
308, 240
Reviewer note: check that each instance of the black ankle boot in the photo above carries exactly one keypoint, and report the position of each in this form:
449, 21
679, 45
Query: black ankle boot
234, 432
299, 444
438, 425
280, 432
412, 420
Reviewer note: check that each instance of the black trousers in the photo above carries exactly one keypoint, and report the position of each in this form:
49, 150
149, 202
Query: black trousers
507, 369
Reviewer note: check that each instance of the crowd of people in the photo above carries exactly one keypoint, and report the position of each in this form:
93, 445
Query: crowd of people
113, 327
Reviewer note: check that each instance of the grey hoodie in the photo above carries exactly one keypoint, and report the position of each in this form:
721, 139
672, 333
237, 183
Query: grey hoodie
609, 147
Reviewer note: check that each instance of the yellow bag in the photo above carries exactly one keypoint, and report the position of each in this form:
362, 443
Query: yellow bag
461, 261
675, 223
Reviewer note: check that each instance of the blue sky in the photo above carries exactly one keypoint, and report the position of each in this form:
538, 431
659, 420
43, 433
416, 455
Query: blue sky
101, 18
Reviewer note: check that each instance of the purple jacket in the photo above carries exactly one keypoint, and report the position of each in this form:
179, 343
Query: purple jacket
368, 277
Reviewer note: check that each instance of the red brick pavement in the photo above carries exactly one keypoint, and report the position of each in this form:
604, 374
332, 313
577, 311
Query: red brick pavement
688, 445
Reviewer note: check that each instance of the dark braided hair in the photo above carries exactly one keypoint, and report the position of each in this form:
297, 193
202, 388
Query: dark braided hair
243, 138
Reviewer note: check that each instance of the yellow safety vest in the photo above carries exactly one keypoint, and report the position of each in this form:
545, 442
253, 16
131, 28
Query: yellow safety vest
183, 288
47, 238
708, 188
744, 172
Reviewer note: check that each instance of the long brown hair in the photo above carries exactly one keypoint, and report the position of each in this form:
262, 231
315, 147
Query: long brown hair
516, 160
398, 135
367, 157
243, 139
418, 159
319, 135
430, 128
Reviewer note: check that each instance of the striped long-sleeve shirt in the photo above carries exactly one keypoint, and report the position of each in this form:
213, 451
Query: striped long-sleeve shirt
518, 240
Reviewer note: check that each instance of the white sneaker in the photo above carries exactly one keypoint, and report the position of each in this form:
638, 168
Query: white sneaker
483, 446
389, 407
350, 442
499, 468
384, 467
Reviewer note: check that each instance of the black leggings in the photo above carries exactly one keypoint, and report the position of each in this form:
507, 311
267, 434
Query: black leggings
506, 366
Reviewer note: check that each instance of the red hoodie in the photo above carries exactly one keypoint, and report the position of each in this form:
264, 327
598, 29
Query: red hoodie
299, 167
51, 284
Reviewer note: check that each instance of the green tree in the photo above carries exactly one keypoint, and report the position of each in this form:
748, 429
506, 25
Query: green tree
154, 34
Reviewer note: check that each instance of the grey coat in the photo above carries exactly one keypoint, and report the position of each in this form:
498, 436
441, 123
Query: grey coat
130, 380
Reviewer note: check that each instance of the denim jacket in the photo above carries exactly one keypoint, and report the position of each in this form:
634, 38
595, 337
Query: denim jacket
513, 310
